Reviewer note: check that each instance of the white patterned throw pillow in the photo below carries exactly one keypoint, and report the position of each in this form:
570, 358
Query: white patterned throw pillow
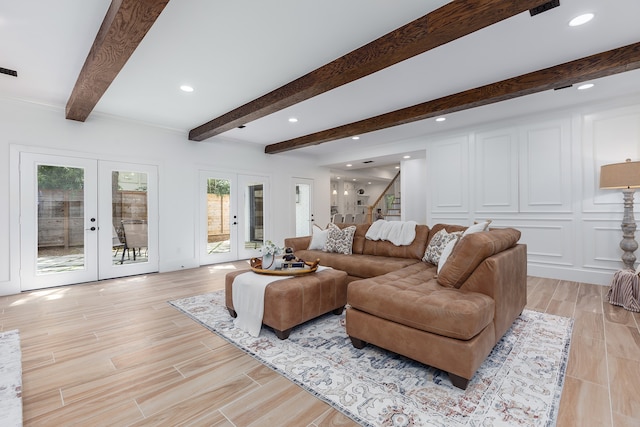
437, 244
339, 241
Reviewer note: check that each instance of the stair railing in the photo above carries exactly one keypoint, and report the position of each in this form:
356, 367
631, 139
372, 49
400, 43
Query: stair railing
371, 207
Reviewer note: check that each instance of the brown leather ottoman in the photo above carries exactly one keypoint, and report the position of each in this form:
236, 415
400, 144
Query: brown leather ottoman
292, 301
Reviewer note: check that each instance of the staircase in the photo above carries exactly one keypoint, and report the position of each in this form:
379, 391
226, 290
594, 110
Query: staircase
393, 213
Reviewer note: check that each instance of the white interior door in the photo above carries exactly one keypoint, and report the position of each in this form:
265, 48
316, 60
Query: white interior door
233, 214
303, 203
67, 232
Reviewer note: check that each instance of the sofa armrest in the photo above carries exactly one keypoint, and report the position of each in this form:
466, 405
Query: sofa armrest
503, 277
297, 243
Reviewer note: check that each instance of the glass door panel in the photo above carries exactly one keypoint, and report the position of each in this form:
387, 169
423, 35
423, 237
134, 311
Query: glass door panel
253, 219
60, 219
218, 216
129, 217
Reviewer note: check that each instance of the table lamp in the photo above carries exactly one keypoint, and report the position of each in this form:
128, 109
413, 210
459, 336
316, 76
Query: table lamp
625, 176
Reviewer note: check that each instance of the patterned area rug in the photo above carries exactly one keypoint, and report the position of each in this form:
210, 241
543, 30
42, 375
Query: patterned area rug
518, 385
10, 379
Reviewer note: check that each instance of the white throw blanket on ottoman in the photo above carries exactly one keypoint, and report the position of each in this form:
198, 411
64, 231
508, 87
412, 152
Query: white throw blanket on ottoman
248, 299
400, 233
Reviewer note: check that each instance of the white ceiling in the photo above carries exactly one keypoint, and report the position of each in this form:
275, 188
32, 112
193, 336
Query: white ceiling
233, 52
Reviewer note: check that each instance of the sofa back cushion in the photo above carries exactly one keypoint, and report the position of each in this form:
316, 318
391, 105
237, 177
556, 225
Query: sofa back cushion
471, 250
384, 248
450, 228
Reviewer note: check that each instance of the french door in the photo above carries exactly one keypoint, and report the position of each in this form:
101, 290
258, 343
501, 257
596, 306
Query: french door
83, 220
233, 216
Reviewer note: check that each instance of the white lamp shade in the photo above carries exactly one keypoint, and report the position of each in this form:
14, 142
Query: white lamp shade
620, 175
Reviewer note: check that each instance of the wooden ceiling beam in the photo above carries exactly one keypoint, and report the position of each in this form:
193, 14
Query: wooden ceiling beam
603, 64
450, 22
123, 28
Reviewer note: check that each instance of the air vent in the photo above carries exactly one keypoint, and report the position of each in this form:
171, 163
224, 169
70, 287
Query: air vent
368, 161
562, 87
544, 7
8, 72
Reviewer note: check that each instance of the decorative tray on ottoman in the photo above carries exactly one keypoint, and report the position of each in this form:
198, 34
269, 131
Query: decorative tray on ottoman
306, 268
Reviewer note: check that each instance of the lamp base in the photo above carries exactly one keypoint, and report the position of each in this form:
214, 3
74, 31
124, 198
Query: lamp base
628, 243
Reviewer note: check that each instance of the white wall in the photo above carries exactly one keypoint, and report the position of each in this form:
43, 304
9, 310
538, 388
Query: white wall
44, 129
413, 177
541, 175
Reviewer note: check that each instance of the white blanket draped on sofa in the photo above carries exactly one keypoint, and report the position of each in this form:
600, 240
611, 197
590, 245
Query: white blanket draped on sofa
400, 233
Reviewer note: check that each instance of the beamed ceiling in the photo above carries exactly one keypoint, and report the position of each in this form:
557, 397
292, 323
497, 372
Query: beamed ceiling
366, 68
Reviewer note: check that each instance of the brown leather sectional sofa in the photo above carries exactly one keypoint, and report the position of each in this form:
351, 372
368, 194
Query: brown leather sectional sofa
450, 320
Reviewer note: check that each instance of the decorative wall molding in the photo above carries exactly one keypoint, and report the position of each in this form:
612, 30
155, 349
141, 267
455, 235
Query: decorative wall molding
545, 167
542, 178
448, 175
496, 171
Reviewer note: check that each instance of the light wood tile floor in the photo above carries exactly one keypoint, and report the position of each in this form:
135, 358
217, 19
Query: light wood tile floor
115, 353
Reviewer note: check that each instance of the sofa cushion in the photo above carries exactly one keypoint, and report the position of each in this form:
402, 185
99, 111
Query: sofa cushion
412, 297
450, 228
357, 265
471, 250
437, 244
387, 249
339, 240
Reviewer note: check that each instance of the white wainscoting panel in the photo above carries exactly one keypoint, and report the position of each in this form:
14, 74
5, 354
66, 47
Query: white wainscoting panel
602, 244
448, 175
548, 241
545, 168
496, 171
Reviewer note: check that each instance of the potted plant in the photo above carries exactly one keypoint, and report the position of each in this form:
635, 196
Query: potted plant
269, 251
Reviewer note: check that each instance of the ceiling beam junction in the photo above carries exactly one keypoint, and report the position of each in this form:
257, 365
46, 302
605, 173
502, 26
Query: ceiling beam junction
452, 21
596, 66
123, 28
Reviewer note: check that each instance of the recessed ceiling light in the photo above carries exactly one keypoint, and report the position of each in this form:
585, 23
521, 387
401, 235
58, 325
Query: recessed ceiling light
186, 88
349, 165
355, 137
586, 86
292, 120
441, 119
406, 157
397, 167
354, 179
581, 19
337, 177
369, 182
